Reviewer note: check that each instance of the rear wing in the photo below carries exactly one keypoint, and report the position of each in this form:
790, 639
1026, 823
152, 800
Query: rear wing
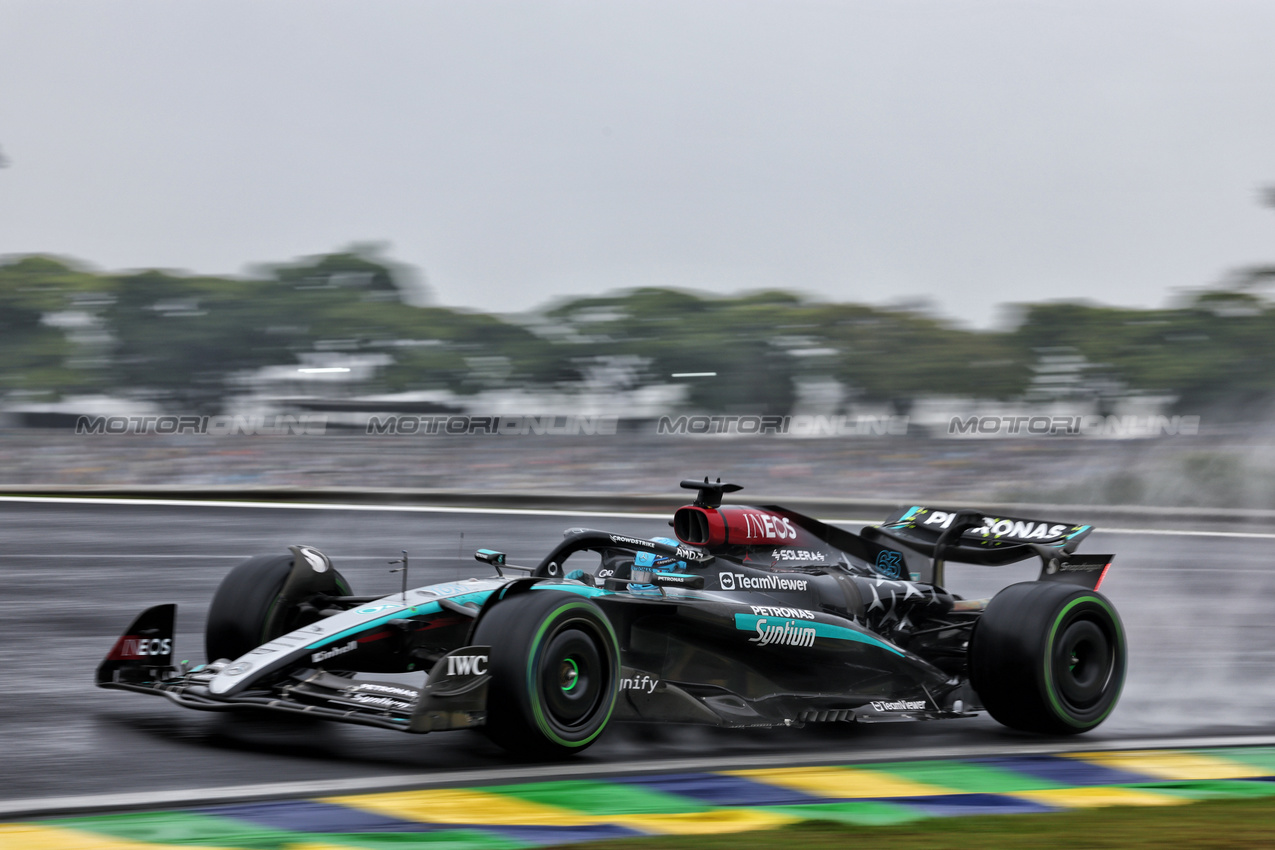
973, 537
969, 529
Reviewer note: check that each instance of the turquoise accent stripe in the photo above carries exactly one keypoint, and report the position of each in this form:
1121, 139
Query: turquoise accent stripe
427, 608
397, 614
907, 516
748, 623
578, 589
422, 610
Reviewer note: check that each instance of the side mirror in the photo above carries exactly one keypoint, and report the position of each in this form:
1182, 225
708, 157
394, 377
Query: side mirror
490, 556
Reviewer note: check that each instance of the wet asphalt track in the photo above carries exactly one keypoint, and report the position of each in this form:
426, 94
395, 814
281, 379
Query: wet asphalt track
1200, 613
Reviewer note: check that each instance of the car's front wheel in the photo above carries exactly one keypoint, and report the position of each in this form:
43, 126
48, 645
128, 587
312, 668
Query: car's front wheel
256, 603
554, 672
1048, 657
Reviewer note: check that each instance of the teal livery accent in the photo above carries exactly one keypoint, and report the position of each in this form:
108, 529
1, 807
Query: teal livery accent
427, 608
907, 516
578, 589
411, 611
799, 629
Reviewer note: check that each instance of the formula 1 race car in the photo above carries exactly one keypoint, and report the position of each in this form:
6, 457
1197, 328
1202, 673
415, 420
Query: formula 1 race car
753, 616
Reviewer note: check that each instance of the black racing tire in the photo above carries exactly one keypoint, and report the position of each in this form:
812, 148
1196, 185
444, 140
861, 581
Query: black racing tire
554, 672
1049, 657
245, 609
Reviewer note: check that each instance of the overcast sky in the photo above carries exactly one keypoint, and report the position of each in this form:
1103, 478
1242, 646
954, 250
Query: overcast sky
970, 153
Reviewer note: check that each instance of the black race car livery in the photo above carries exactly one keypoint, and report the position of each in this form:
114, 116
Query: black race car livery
753, 616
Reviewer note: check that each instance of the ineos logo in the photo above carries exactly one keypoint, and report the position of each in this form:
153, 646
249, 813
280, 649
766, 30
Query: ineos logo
466, 665
131, 647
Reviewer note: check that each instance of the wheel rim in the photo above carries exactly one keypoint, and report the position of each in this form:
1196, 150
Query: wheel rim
1083, 664
569, 674
573, 678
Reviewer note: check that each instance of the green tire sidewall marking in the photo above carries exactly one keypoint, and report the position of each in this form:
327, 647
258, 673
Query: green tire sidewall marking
1059, 711
533, 692
575, 679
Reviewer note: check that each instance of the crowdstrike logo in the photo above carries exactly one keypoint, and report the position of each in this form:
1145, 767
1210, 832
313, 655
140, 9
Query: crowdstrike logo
683, 554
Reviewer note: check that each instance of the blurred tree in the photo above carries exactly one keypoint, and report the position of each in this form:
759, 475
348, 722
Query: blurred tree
36, 350
189, 339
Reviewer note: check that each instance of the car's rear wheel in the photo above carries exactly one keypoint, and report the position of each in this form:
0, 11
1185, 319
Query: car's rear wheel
250, 606
1048, 657
554, 672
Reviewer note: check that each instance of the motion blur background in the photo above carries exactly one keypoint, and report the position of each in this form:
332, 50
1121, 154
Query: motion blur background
875, 218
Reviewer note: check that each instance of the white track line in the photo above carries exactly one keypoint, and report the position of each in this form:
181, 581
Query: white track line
447, 509
239, 793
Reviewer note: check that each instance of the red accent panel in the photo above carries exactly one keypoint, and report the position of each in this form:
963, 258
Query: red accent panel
1103, 576
696, 526
135, 648
125, 649
753, 527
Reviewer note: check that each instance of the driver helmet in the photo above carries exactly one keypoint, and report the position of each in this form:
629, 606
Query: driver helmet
652, 561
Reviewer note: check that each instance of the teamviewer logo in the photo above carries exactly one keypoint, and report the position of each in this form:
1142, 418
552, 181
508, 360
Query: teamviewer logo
727, 580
